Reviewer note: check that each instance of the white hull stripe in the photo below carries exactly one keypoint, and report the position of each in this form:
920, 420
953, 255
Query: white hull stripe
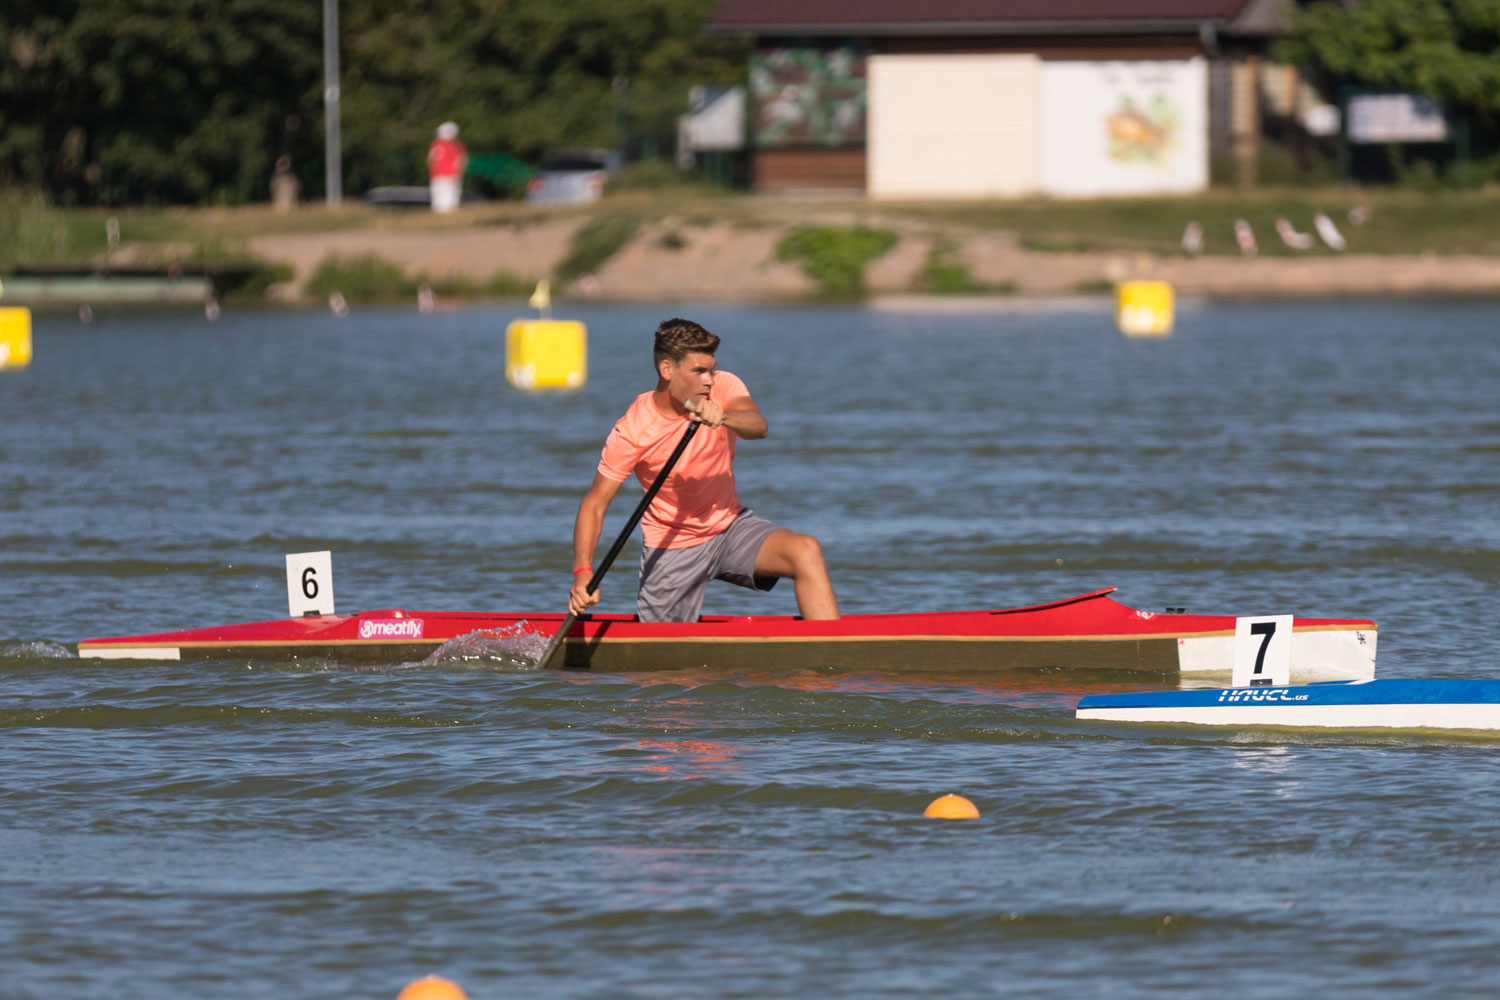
1396, 703
130, 652
1314, 716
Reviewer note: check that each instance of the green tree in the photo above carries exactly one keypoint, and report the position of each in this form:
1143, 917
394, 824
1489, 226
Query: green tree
519, 76
188, 101
1448, 50
107, 101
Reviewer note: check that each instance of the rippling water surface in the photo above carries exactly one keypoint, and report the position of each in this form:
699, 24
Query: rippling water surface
276, 830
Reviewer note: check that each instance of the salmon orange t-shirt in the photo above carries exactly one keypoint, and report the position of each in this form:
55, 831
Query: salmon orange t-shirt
698, 500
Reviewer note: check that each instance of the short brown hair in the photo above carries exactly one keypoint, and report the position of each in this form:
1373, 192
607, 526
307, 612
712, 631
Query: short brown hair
677, 338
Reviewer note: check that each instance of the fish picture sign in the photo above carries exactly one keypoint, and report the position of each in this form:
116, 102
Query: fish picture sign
1117, 127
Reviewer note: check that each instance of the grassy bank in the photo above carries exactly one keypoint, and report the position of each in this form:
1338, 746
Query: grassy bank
1399, 221
830, 239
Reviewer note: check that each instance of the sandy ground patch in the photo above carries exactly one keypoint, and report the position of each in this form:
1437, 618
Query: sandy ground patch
720, 261
528, 251
672, 259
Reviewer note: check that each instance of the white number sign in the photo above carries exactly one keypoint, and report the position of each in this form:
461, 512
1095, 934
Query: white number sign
1262, 651
309, 583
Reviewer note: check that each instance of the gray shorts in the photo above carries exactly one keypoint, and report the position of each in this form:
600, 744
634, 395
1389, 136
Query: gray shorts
673, 581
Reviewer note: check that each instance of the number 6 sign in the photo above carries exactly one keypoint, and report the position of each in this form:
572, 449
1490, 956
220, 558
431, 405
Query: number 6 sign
309, 583
1262, 651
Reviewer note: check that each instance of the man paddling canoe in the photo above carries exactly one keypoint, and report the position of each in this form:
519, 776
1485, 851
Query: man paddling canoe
696, 530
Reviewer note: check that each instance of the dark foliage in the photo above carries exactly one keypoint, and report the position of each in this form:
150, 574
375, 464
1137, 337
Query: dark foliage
191, 101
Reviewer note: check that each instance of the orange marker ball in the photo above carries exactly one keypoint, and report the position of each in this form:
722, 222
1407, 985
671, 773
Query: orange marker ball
432, 988
951, 807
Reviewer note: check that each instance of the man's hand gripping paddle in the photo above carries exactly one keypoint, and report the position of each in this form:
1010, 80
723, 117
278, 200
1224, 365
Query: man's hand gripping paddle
554, 648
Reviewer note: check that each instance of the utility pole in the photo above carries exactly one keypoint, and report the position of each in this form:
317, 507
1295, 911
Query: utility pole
331, 101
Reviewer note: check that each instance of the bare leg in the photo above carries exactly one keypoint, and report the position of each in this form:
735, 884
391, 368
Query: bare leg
792, 554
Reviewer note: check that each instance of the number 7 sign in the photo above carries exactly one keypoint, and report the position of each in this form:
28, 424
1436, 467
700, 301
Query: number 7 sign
1262, 651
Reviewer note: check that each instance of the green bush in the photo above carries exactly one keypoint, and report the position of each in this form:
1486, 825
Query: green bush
366, 278
501, 285
1282, 164
595, 242
30, 231
647, 175
835, 256
251, 284
1475, 173
452, 286
505, 285
944, 275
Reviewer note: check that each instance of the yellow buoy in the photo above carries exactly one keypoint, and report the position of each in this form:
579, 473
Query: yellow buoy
1144, 308
546, 354
431, 988
15, 337
951, 807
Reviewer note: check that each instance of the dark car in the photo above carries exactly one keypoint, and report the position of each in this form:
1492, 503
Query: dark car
410, 196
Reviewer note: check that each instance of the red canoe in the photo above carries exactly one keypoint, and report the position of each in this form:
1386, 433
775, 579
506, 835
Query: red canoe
1091, 631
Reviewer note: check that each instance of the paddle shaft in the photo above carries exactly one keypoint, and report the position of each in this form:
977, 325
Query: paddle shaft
614, 550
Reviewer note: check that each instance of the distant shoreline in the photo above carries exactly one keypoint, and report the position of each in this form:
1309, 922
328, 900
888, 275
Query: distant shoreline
721, 263
693, 245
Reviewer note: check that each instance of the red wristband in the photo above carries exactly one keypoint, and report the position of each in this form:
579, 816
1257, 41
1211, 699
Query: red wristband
583, 569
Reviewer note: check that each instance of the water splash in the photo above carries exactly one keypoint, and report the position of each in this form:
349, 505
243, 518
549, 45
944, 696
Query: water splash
515, 647
37, 650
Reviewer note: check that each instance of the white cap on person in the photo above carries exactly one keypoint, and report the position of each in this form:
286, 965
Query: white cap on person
447, 130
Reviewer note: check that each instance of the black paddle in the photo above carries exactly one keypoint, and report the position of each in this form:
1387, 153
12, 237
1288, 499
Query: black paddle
555, 646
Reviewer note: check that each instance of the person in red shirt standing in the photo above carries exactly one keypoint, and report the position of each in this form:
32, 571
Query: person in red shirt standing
696, 530
447, 159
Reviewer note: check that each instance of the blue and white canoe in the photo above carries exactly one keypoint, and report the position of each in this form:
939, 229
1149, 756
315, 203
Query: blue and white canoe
1372, 704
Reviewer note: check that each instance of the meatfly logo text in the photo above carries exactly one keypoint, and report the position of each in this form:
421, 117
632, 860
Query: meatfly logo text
390, 628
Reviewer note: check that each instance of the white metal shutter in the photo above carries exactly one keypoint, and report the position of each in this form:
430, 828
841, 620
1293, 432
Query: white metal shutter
953, 126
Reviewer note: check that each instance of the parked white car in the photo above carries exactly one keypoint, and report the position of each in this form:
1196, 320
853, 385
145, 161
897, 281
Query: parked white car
573, 176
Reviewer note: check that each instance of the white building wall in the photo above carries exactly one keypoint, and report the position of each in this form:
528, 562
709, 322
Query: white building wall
1124, 128
953, 126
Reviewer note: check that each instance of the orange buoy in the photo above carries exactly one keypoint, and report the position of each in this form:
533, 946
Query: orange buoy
432, 988
951, 807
